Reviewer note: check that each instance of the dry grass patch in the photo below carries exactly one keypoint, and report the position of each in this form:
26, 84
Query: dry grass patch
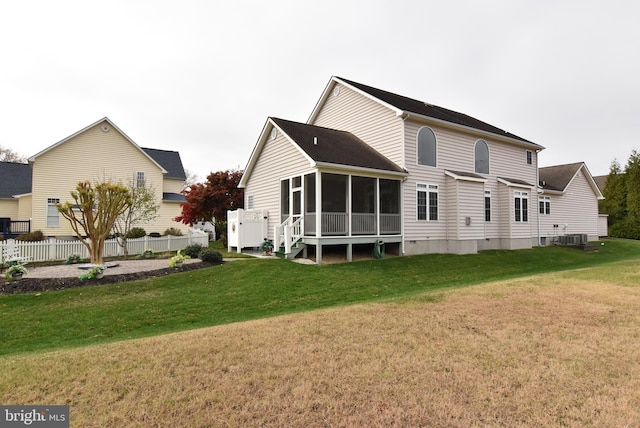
551, 350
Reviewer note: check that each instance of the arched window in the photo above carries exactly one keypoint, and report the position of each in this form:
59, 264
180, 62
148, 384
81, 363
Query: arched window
426, 147
482, 157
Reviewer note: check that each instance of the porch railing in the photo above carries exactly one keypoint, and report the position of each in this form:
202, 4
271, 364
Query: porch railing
288, 233
361, 224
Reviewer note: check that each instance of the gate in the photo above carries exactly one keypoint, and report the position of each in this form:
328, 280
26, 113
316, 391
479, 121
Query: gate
246, 228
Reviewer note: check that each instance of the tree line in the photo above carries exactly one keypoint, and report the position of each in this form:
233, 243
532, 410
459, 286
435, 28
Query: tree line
622, 198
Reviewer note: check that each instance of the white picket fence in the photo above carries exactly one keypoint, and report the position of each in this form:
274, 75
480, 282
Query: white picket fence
55, 249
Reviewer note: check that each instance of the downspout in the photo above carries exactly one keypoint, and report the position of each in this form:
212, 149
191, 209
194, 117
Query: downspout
537, 202
404, 117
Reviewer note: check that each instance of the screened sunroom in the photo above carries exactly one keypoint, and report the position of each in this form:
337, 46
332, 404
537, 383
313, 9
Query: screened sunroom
332, 204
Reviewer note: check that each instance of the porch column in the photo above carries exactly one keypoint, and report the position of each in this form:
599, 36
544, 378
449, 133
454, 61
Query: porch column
349, 205
378, 206
318, 204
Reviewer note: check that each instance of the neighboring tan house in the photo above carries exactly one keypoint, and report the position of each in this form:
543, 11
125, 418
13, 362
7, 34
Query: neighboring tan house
99, 152
568, 203
371, 165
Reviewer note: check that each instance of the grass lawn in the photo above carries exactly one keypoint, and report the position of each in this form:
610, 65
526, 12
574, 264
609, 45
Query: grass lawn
551, 349
253, 289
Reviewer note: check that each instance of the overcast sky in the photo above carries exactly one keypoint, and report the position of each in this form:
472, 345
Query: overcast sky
201, 77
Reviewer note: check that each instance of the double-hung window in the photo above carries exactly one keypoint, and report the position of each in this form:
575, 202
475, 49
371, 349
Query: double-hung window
53, 215
427, 202
521, 206
140, 179
545, 204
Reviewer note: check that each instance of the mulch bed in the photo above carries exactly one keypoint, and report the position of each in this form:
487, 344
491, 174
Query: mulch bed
37, 285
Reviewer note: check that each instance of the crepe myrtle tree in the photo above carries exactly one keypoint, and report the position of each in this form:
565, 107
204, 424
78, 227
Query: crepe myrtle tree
94, 213
143, 209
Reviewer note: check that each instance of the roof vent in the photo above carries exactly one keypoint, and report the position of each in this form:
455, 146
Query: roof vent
315, 141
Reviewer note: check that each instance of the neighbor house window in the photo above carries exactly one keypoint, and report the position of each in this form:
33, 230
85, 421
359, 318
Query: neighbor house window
426, 147
140, 179
53, 215
487, 205
482, 157
521, 206
427, 199
545, 204
529, 157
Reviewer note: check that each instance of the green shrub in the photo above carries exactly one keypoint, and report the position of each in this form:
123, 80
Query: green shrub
627, 228
173, 232
193, 250
210, 255
36, 235
136, 232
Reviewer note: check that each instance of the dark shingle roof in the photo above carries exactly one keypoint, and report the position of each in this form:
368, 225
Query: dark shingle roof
600, 181
558, 177
335, 147
173, 197
515, 181
425, 109
169, 160
15, 179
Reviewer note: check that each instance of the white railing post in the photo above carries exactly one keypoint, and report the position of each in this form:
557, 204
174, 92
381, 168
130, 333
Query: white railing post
287, 239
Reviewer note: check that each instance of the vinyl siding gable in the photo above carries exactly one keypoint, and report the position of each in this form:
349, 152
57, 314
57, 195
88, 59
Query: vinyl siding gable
575, 211
92, 155
372, 122
278, 159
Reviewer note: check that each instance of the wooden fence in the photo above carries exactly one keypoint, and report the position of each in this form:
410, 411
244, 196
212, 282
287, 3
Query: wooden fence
55, 249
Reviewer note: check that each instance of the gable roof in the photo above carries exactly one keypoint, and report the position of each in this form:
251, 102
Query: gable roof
330, 146
323, 147
169, 160
557, 178
600, 180
15, 179
408, 106
107, 122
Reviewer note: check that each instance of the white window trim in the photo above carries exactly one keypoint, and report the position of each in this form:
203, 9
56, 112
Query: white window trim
487, 194
140, 179
428, 189
475, 159
435, 138
546, 200
51, 204
521, 196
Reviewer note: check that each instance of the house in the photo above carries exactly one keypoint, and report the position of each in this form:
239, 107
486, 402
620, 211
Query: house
15, 181
370, 166
101, 151
568, 202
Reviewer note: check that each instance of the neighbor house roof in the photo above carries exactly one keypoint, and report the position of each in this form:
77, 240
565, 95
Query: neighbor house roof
102, 122
173, 197
406, 105
169, 160
600, 181
330, 146
15, 179
557, 178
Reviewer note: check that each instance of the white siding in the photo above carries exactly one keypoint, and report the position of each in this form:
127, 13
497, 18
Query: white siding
576, 211
368, 120
455, 151
278, 159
